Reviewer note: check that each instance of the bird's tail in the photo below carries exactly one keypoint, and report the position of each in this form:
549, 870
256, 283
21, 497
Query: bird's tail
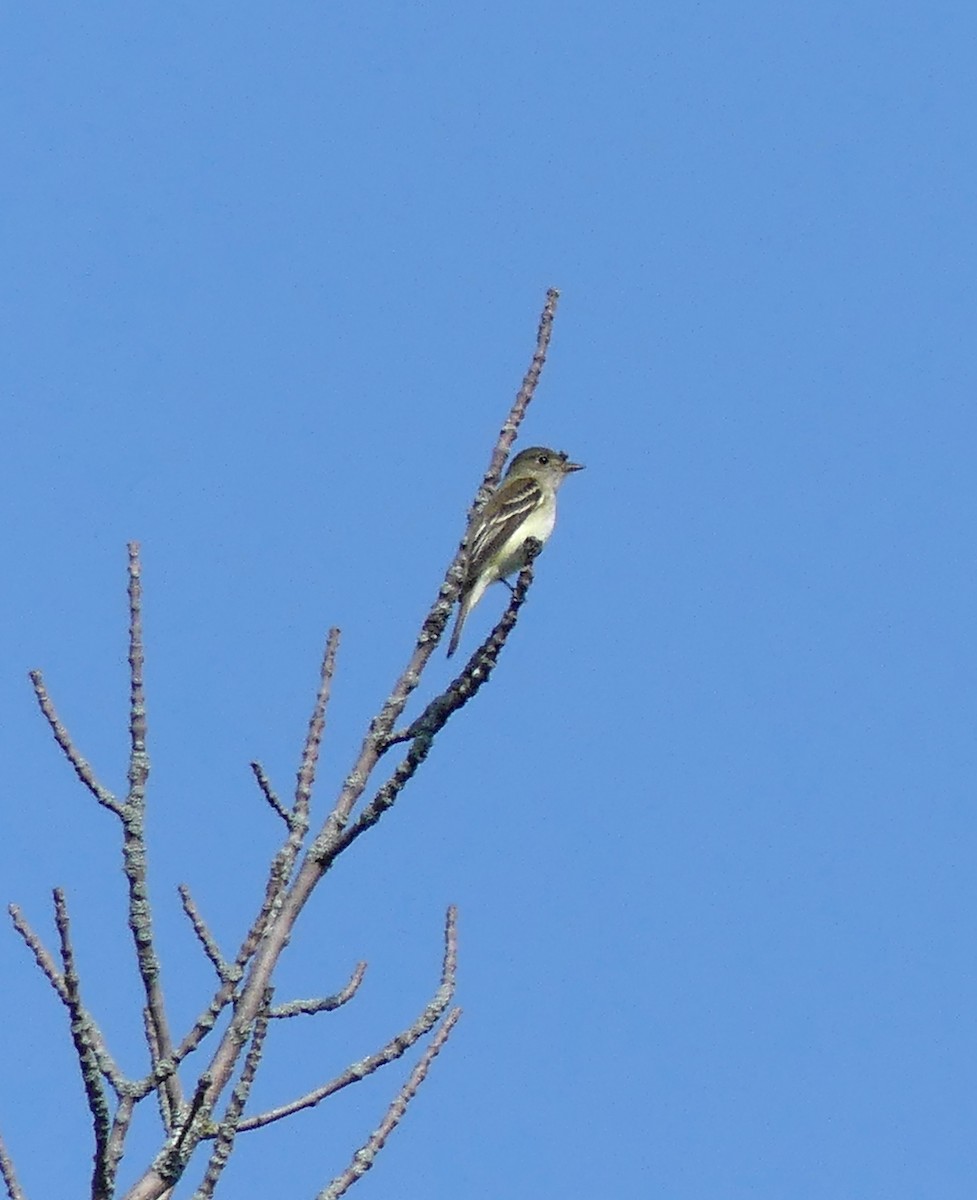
463, 610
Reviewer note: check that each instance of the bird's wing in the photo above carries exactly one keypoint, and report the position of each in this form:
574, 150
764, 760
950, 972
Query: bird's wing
502, 515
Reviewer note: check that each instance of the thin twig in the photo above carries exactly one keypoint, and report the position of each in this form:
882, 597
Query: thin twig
507, 434
317, 723
204, 936
305, 780
82, 767
365, 1157
160, 1073
42, 956
271, 902
138, 757
325, 1003
269, 793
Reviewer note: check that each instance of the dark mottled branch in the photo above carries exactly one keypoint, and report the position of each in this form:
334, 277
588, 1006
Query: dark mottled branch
195, 1109
192, 1121
87, 1058
421, 732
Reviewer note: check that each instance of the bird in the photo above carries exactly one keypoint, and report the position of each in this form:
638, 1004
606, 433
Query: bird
524, 506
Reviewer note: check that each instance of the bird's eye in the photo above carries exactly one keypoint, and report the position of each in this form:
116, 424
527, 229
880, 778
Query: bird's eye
543, 459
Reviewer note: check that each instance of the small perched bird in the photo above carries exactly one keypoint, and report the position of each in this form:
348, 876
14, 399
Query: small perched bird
523, 507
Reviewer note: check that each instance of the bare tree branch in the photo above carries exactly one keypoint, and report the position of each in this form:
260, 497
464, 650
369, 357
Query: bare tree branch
269, 793
134, 841
317, 724
157, 1077
299, 816
87, 1058
42, 956
204, 936
81, 767
365, 1157
507, 434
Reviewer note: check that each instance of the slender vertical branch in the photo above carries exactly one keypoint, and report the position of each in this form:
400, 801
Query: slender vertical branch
134, 860
87, 1058
507, 434
310, 755
305, 780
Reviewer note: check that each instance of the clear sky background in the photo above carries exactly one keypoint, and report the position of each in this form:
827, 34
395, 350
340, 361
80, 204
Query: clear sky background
271, 278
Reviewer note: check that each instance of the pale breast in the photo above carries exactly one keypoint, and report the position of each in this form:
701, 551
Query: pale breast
538, 525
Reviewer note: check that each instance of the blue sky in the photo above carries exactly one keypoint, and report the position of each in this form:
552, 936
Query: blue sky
271, 279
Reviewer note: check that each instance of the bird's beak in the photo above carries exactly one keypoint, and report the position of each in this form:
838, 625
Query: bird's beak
569, 466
